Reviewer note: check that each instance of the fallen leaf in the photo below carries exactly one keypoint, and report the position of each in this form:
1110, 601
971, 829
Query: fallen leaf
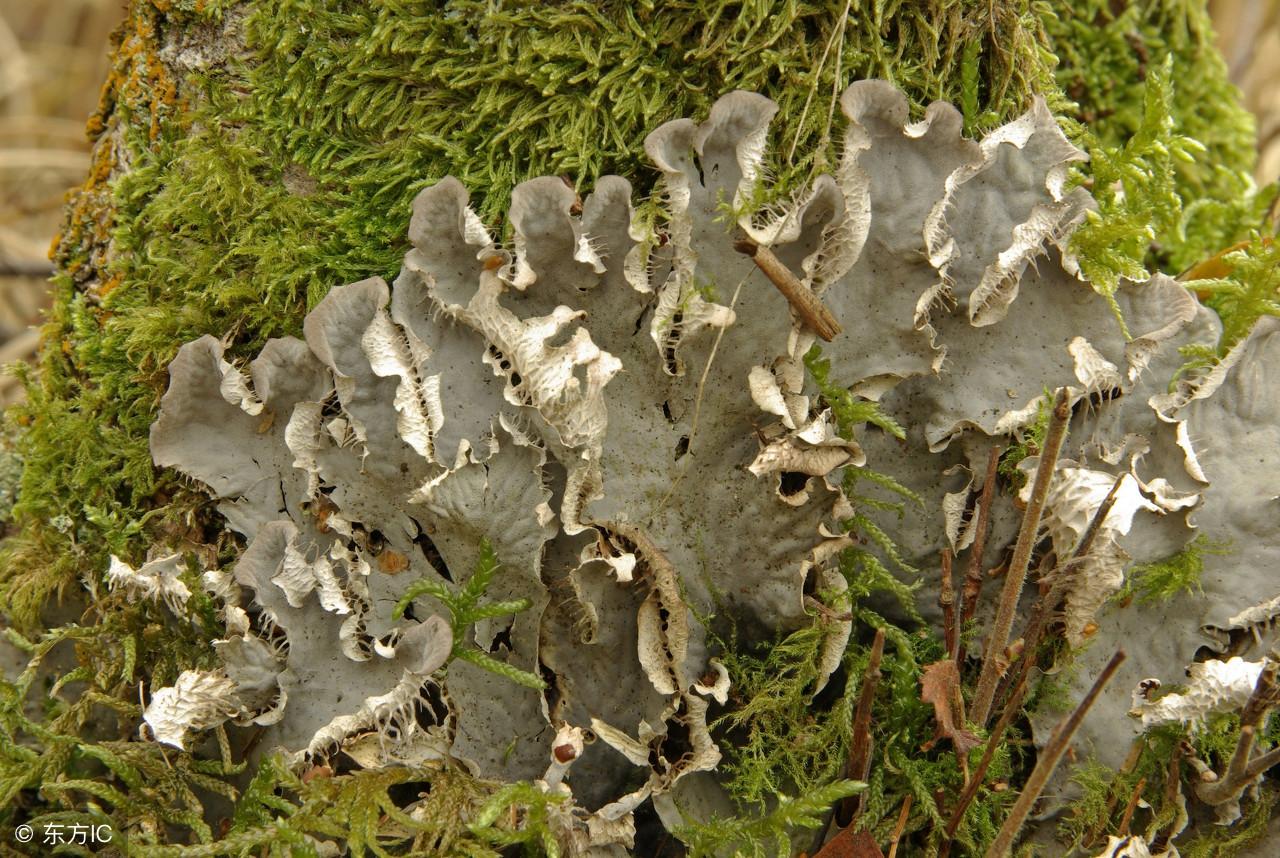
850, 844
940, 686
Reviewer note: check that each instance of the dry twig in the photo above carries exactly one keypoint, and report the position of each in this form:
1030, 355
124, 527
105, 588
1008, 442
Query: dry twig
800, 297
992, 669
1223, 792
1049, 758
973, 577
947, 601
859, 764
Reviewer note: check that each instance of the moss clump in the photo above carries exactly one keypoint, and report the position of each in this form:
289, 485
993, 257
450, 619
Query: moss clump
1109, 53
1247, 286
1164, 579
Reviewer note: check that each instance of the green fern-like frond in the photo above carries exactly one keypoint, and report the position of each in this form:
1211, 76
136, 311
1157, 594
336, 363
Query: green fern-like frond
849, 411
466, 608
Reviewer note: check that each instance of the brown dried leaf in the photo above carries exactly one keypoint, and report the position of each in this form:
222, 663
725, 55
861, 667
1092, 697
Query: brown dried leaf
850, 844
940, 686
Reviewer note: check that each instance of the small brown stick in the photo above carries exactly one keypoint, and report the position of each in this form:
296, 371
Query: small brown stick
1048, 601
1265, 696
973, 577
1017, 574
801, 297
1095, 524
1134, 798
900, 827
859, 764
988, 754
1135, 753
947, 601
1243, 768
1048, 761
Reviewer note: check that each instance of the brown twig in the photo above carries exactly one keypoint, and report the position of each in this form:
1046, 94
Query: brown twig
1063, 580
947, 601
988, 754
992, 669
1266, 693
973, 577
1135, 753
1048, 761
1134, 798
1095, 524
1243, 767
1172, 787
801, 297
859, 764
900, 827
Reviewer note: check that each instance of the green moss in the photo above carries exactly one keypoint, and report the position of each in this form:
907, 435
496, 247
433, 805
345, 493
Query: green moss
1032, 438
1164, 579
1225, 842
777, 740
465, 610
765, 835
1248, 289
1112, 59
1137, 190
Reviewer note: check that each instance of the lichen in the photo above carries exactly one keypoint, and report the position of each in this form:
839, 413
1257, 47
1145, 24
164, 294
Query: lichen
246, 166
415, 418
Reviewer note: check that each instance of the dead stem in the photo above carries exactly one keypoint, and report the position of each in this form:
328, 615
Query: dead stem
1095, 524
947, 601
1134, 798
973, 577
801, 298
1017, 574
859, 764
1048, 761
1173, 784
1244, 768
988, 754
1063, 579
1135, 753
900, 827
